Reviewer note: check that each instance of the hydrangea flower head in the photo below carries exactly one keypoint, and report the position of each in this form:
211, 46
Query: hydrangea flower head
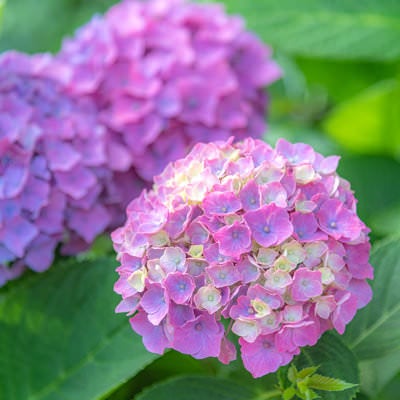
54, 167
166, 74
265, 239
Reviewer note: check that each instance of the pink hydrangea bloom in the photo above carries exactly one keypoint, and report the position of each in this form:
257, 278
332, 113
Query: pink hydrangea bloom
166, 74
56, 181
208, 246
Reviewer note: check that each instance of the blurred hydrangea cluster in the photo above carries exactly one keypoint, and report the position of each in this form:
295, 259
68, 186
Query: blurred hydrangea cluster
166, 74
55, 181
84, 131
243, 239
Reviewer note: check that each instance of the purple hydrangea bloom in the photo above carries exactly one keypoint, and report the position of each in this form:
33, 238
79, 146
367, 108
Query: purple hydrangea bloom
56, 182
281, 271
166, 74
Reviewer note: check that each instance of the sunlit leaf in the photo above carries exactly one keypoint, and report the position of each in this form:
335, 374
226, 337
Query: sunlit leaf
369, 123
321, 382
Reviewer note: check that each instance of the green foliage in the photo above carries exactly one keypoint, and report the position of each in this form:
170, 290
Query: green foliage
374, 334
376, 373
369, 122
36, 26
344, 79
337, 365
60, 338
375, 331
386, 222
198, 388
339, 29
391, 391
304, 381
321, 382
1, 9
373, 178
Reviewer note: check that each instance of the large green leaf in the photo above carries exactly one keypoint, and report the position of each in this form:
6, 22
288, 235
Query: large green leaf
375, 181
32, 25
387, 222
344, 79
340, 29
335, 360
369, 123
198, 388
374, 334
375, 374
391, 391
375, 331
60, 338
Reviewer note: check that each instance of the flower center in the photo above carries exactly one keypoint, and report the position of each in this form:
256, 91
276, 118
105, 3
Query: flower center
266, 344
305, 283
198, 326
192, 103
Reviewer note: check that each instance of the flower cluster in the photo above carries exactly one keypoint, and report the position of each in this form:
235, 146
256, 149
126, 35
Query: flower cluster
165, 74
244, 239
53, 167
83, 132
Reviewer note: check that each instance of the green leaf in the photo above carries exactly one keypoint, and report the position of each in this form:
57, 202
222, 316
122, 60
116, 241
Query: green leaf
60, 338
375, 331
374, 180
327, 383
335, 360
172, 364
376, 373
329, 75
391, 391
386, 222
33, 26
340, 29
311, 395
369, 122
289, 393
2, 2
198, 388
307, 372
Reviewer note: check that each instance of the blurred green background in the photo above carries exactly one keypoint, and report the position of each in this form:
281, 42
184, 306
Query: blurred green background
340, 92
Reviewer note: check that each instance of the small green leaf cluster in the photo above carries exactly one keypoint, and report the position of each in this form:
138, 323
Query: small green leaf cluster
306, 381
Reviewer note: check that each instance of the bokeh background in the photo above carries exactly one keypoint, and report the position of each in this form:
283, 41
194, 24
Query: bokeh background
340, 92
